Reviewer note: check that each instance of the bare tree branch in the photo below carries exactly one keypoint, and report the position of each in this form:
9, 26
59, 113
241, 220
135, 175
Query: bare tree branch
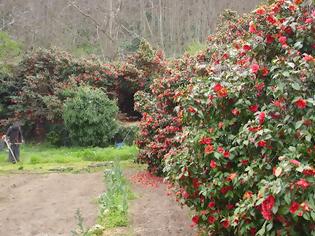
92, 19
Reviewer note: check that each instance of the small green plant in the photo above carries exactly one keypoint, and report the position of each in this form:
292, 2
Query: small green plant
114, 202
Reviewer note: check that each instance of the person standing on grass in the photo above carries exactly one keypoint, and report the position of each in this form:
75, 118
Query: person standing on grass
15, 138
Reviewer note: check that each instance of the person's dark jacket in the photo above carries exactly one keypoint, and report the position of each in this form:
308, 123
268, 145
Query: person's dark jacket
14, 134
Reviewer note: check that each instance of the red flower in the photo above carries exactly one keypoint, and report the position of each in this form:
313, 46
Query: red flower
283, 40
217, 87
254, 108
262, 117
302, 183
226, 154
192, 110
253, 231
260, 11
209, 149
185, 195
195, 220
211, 220
211, 204
235, 112
226, 224
255, 68
308, 58
294, 207
308, 20
247, 47
295, 162
271, 20
231, 177
269, 38
220, 90
265, 71
244, 162
213, 164
297, 2
220, 150
262, 143
309, 172
225, 189
267, 206
205, 140
301, 103
252, 27
230, 206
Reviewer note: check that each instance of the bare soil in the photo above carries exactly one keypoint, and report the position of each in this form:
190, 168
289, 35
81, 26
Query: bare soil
154, 213
45, 204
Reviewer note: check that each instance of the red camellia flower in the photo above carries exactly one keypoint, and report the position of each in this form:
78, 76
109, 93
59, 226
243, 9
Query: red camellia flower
213, 164
205, 140
262, 143
211, 220
226, 154
185, 195
195, 220
247, 47
295, 162
302, 183
283, 40
221, 150
260, 11
235, 112
261, 117
255, 68
308, 58
265, 71
211, 204
220, 90
217, 88
254, 108
301, 103
267, 206
271, 20
192, 110
209, 149
225, 189
269, 38
231, 177
252, 27
226, 224
294, 207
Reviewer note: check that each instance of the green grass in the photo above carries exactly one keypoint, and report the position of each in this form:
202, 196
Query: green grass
44, 157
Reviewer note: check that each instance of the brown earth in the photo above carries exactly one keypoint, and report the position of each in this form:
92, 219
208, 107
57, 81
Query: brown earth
154, 213
45, 205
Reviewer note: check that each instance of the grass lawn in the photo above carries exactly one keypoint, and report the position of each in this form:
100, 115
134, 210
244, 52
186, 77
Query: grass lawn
44, 157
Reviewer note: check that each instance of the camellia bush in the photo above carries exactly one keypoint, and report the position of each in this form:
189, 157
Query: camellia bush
90, 117
244, 161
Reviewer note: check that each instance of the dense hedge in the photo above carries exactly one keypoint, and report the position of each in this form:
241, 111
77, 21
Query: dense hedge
90, 117
244, 160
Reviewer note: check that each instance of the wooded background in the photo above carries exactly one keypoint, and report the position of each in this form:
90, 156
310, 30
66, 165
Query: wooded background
109, 27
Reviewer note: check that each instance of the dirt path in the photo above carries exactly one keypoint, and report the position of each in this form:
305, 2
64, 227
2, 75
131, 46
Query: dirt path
154, 213
45, 205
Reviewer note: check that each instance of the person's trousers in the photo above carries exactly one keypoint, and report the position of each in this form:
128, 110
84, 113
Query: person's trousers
16, 151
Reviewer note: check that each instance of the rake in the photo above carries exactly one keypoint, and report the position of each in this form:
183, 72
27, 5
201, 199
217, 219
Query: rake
8, 145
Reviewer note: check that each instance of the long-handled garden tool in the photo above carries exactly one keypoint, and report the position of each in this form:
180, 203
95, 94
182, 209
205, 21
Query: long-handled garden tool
9, 147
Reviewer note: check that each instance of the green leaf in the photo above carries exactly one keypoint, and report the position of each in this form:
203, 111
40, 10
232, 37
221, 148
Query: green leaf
296, 86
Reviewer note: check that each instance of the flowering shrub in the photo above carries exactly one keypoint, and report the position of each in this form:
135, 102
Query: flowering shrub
245, 163
160, 123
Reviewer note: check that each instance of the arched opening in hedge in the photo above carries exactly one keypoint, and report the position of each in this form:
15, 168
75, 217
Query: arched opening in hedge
126, 104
